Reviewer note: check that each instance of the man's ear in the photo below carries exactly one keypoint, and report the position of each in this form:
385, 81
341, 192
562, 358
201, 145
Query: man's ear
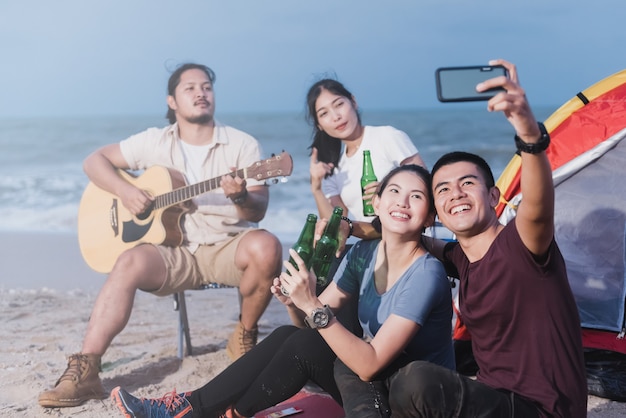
171, 102
494, 196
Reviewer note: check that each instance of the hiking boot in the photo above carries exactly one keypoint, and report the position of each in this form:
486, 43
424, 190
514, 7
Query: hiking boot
241, 341
172, 405
78, 383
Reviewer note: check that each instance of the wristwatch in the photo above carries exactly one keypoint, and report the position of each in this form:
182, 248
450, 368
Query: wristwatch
319, 318
537, 147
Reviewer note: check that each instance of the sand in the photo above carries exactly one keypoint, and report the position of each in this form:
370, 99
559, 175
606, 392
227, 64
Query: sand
46, 296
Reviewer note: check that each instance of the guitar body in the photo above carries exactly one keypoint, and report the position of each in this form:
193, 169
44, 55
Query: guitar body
106, 228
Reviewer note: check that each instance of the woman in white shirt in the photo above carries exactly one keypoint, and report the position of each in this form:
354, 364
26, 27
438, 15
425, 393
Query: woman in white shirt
339, 139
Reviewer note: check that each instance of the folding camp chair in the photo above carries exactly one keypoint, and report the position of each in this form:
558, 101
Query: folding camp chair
180, 304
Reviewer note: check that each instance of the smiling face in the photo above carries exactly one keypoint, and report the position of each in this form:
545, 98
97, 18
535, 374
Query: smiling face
193, 100
403, 206
464, 203
336, 115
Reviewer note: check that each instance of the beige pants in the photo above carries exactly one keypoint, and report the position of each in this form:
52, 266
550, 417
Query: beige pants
209, 264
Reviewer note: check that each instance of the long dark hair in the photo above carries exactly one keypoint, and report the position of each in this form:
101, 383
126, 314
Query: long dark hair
174, 81
328, 147
421, 172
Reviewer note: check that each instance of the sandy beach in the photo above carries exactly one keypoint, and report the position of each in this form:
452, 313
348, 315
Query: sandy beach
46, 296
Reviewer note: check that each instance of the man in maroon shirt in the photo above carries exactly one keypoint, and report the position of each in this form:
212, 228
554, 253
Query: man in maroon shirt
514, 294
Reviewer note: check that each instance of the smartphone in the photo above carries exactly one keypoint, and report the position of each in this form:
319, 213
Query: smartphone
284, 413
458, 84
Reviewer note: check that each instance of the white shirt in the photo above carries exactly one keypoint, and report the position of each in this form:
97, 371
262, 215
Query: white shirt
215, 217
388, 147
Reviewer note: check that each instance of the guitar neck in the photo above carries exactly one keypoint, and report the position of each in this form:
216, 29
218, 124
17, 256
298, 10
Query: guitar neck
183, 194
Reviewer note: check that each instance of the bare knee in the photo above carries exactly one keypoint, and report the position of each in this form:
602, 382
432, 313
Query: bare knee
140, 267
262, 251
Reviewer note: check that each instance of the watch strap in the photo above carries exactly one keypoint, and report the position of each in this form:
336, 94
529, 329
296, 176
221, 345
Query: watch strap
537, 147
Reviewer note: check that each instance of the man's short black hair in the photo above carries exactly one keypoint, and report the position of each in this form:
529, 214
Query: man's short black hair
461, 156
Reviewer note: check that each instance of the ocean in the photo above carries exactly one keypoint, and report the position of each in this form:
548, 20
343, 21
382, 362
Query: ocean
41, 176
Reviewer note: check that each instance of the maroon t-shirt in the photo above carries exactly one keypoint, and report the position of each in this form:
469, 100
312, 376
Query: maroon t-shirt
524, 323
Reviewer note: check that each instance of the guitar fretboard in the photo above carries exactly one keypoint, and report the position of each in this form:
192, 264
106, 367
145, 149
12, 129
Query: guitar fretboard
189, 192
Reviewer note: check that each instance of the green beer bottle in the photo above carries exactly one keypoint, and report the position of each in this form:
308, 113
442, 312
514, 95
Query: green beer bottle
304, 245
326, 248
367, 177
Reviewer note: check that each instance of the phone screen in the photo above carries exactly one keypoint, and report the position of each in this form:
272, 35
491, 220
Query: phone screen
458, 84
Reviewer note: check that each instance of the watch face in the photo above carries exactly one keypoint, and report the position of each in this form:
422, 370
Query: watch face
320, 318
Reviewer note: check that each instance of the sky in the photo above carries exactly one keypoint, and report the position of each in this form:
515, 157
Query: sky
91, 58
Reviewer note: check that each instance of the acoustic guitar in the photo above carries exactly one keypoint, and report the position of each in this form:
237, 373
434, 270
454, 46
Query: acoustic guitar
106, 228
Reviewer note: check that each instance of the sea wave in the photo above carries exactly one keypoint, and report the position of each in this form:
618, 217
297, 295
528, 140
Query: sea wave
42, 181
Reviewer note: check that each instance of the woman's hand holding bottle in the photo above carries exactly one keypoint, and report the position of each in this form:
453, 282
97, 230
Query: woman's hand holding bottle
297, 281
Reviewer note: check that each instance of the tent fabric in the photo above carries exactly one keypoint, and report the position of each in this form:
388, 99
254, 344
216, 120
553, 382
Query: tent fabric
590, 228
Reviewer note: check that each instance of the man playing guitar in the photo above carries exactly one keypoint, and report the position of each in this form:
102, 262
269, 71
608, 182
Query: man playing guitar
220, 241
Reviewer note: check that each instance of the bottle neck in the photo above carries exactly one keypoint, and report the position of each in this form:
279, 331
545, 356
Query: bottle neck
368, 169
332, 229
308, 232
